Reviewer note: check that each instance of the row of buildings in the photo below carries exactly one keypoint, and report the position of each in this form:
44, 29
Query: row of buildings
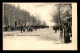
14, 16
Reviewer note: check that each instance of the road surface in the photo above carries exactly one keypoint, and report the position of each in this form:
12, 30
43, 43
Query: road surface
36, 40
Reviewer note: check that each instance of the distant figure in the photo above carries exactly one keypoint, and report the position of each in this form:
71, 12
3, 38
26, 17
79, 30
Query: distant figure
35, 28
61, 28
30, 28
12, 27
6, 28
24, 28
27, 28
21, 28
55, 29
58, 28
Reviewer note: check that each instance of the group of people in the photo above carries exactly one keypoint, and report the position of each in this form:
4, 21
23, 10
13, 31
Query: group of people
23, 28
29, 28
18, 28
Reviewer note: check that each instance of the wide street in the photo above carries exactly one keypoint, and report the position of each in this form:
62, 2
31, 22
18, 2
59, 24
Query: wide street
40, 39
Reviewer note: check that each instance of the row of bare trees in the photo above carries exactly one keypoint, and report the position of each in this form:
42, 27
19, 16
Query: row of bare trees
63, 14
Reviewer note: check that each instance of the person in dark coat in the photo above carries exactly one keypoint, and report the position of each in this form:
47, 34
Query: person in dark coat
58, 28
30, 28
21, 28
55, 29
61, 28
24, 28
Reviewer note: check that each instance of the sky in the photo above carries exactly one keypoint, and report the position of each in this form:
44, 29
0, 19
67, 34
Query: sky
42, 11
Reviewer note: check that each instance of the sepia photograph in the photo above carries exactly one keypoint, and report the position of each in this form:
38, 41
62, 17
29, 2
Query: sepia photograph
39, 26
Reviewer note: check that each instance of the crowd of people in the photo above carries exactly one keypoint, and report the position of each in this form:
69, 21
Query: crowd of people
22, 28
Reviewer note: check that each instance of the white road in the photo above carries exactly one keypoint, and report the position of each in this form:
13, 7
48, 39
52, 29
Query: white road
42, 39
